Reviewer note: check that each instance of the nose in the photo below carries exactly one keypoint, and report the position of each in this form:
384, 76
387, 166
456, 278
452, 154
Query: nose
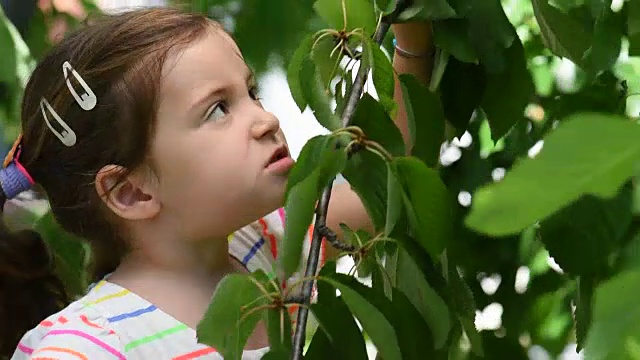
265, 124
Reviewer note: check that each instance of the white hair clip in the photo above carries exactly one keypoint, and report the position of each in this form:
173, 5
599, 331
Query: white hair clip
87, 100
67, 136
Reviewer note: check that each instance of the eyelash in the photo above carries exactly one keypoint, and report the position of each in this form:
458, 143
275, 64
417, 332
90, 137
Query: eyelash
254, 93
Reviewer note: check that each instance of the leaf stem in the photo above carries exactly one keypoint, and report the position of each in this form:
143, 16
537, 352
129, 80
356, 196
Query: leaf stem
323, 204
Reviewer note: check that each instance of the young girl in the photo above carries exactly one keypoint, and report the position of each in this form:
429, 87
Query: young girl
146, 133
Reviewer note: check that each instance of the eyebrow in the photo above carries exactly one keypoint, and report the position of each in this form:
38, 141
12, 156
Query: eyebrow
249, 78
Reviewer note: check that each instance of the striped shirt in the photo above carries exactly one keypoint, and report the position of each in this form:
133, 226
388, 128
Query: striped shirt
111, 322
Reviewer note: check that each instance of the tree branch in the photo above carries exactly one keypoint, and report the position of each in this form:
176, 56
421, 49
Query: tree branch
323, 205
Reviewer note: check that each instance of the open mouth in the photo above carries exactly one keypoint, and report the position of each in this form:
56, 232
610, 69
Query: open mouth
279, 154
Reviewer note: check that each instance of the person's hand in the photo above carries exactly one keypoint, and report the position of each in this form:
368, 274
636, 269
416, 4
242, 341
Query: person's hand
414, 37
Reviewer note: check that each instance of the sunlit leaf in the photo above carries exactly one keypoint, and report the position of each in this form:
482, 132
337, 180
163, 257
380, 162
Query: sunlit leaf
359, 14
616, 319
580, 160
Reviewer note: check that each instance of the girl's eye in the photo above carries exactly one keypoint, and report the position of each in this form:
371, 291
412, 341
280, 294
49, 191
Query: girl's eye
217, 111
254, 93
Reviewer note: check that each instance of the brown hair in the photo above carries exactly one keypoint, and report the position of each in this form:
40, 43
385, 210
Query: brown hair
121, 58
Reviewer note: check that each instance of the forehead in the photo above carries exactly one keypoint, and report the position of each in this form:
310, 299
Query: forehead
213, 60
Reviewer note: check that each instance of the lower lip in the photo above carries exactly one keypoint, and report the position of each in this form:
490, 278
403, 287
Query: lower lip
281, 166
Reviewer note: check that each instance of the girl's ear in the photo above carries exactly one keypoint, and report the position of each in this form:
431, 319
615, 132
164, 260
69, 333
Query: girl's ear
131, 197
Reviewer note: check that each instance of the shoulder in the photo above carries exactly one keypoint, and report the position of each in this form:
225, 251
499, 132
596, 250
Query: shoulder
76, 332
258, 244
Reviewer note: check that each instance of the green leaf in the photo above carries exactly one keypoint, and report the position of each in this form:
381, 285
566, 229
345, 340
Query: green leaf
606, 43
490, 33
461, 90
276, 355
394, 202
376, 124
385, 6
425, 118
581, 236
341, 100
359, 14
428, 203
581, 160
338, 336
70, 252
321, 347
366, 306
427, 10
516, 81
231, 316
452, 35
278, 323
295, 67
316, 95
310, 156
433, 309
464, 304
633, 27
367, 174
327, 60
615, 327
629, 256
302, 197
336, 321
584, 302
561, 33
391, 325
8, 60
382, 70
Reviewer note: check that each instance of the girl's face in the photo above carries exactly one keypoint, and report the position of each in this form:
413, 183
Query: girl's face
220, 158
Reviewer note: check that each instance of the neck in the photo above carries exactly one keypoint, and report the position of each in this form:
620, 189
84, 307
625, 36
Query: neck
202, 263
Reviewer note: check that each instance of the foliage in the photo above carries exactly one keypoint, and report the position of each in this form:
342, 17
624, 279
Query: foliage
544, 91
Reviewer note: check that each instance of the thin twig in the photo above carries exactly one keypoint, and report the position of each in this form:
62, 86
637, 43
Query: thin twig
322, 207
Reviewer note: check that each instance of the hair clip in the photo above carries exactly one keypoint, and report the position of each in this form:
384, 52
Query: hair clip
87, 100
14, 177
67, 136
